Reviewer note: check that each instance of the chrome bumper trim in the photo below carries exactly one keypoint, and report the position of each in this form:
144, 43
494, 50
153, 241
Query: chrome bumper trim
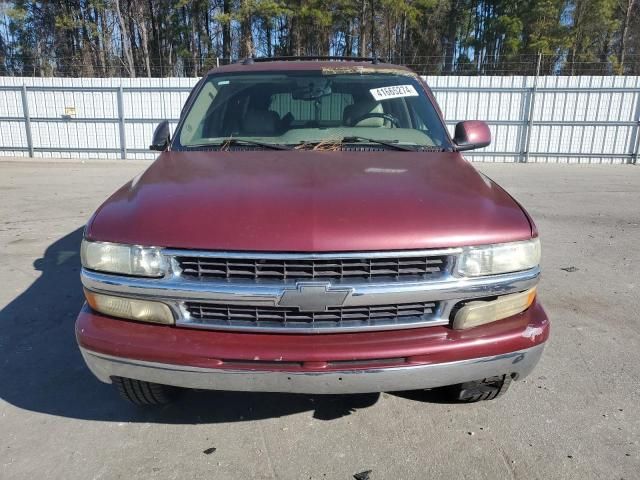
169, 252
380, 293
265, 294
519, 364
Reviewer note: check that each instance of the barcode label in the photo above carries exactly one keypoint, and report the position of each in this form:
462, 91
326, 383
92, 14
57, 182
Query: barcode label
396, 91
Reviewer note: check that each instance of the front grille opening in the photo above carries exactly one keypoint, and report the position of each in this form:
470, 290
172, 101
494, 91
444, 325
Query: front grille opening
240, 316
418, 267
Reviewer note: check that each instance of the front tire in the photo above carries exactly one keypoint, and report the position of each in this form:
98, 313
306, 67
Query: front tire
480, 390
144, 393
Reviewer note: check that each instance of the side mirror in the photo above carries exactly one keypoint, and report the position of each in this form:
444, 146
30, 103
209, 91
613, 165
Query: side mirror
471, 134
161, 137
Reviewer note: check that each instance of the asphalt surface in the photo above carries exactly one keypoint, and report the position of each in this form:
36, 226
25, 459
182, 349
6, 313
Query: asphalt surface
577, 416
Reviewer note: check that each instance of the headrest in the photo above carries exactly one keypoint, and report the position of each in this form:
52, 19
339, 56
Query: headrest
352, 112
260, 122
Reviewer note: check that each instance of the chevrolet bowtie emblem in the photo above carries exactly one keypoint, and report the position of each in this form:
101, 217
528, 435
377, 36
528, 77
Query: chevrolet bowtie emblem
314, 297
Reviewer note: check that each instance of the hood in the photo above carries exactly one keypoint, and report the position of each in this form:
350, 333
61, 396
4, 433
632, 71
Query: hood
308, 201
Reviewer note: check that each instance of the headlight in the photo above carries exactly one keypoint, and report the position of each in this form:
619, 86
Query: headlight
130, 308
499, 258
125, 259
482, 312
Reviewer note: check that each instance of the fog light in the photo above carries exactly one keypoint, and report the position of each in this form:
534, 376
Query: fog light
478, 313
129, 308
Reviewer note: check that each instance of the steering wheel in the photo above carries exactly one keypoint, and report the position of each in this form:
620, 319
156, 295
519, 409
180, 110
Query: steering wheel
387, 116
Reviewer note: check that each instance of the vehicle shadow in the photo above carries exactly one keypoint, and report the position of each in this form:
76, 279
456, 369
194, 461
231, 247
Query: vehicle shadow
436, 395
43, 371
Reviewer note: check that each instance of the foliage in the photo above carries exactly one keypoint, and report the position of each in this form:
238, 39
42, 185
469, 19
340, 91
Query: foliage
186, 37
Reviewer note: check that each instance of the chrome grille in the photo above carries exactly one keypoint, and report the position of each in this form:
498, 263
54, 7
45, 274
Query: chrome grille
209, 267
240, 316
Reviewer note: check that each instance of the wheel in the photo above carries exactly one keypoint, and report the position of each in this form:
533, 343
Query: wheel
144, 393
479, 390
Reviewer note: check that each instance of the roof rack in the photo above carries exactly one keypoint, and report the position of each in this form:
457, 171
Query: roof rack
251, 60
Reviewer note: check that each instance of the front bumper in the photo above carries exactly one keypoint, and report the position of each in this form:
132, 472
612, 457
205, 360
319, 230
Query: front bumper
332, 363
519, 364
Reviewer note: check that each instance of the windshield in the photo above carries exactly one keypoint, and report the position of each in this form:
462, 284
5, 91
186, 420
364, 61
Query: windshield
311, 108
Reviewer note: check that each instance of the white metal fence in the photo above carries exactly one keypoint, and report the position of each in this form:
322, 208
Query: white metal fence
587, 119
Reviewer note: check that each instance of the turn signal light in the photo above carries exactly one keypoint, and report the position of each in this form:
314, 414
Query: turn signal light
130, 308
478, 313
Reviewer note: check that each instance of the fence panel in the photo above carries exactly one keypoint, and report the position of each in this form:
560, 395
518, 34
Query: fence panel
587, 119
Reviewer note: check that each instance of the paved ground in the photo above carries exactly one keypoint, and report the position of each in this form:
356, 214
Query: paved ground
577, 416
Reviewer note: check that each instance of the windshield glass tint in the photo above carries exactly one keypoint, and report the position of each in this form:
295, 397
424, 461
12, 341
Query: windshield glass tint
293, 108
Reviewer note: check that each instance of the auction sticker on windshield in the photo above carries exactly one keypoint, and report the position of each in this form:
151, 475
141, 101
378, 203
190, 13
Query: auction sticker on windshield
395, 91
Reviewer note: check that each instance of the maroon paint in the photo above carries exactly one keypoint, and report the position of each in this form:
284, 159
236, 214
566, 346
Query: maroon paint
207, 348
307, 201
472, 132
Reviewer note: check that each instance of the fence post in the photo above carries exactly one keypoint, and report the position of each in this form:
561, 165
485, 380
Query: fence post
635, 135
27, 119
522, 144
123, 138
531, 105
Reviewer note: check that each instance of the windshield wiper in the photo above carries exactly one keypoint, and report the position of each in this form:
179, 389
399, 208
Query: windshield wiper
386, 143
241, 141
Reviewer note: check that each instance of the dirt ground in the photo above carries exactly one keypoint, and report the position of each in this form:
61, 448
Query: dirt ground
576, 417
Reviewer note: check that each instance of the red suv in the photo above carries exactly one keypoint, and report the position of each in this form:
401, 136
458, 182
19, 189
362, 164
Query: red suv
311, 227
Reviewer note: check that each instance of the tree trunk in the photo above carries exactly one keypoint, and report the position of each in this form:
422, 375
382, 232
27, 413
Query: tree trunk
246, 37
348, 41
100, 41
623, 35
135, 51
155, 34
294, 30
144, 37
192, 42
226, 31
450, 39
362, 40
107, 44
269, 35
126, 43
403, 41
373, 29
